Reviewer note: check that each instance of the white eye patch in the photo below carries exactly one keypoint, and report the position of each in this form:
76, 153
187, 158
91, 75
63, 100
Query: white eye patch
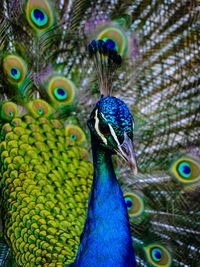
114, 134
96, 126
112, 131
110, 127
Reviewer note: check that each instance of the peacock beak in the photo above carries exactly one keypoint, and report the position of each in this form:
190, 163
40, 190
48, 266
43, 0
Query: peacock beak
126, 151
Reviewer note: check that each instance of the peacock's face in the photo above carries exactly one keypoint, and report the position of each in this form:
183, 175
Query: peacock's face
112, 125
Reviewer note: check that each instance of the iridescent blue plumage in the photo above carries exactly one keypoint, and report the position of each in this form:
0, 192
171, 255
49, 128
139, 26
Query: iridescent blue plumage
38, 14
107, 48
117, 113
106, 238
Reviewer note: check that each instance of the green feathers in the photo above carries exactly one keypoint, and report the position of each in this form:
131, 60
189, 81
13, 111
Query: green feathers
46, 76
43, 170
9, 111
45, 183
39, 108
75, 133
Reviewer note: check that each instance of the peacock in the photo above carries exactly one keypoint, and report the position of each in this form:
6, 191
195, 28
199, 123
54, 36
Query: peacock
113, 82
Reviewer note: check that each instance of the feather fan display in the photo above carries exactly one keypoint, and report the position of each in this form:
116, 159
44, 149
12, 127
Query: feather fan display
69, 65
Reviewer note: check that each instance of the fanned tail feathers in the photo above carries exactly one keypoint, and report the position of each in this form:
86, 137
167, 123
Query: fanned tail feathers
47, 89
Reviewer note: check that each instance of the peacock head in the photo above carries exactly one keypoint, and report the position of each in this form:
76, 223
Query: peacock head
111, 124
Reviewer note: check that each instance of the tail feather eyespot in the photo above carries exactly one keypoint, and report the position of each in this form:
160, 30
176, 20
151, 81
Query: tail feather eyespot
158, 255
186, 170
15, 69
9, 111
75, 133
134, 203
61, 90
39, 108
39, 14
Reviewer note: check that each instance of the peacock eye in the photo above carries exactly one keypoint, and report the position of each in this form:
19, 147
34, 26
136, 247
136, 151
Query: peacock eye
158, 255
73, 136
134, 204
186, 170
39, 14
9, 111
75, 133
104, 128
15, 73
15, 69
39, 17
60, 93
40, 111
61, 90
39, 108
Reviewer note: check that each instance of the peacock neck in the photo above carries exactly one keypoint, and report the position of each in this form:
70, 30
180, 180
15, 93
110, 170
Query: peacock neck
106, 238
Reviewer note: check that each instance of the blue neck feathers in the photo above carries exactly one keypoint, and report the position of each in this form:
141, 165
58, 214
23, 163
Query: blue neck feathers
106, 239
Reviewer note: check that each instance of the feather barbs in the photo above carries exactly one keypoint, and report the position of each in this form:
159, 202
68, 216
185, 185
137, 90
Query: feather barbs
61, 90
40, 14
106, 62
15, 69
